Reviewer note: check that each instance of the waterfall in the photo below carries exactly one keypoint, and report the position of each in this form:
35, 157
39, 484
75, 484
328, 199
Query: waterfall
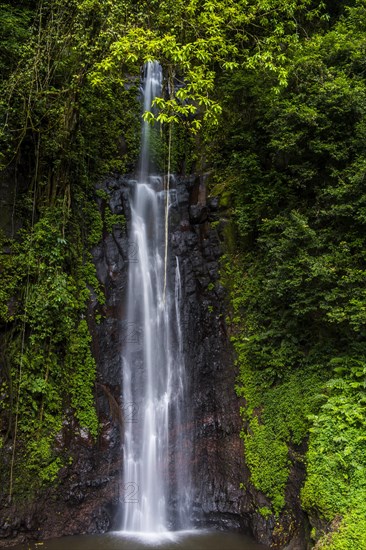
155, 472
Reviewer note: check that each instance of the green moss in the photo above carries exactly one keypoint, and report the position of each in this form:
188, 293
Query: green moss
266, 456
113, 220
275, 417
265, 512
81, 370
226, 199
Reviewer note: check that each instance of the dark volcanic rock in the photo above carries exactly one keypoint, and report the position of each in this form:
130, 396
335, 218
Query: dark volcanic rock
85, 501
198, 213
217, 462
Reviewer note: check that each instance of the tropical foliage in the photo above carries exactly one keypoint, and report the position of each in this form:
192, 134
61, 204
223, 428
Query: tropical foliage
296, 181
271, 95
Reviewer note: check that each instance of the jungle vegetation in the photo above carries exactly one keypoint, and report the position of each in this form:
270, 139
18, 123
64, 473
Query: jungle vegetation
273, 96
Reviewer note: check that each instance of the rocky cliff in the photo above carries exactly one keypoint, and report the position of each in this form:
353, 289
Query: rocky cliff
88, 498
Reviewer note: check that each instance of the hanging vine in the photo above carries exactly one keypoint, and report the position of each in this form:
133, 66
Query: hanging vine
167, 184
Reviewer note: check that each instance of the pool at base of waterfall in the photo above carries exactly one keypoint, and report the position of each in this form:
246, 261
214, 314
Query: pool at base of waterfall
174, 540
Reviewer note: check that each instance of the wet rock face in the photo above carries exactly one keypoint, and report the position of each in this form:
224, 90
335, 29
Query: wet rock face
211, 433
217, 456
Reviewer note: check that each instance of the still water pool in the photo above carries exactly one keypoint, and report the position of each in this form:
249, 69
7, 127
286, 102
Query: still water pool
186, 540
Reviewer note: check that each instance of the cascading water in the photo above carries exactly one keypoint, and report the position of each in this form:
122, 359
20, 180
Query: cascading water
155, 478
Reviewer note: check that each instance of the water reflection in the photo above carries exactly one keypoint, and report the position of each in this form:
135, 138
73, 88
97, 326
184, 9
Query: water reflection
184, 540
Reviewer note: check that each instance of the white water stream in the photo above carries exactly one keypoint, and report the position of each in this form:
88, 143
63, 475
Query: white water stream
155, 473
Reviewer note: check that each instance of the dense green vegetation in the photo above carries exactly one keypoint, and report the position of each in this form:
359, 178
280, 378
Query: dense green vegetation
296, 178
59, 135
274, 94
